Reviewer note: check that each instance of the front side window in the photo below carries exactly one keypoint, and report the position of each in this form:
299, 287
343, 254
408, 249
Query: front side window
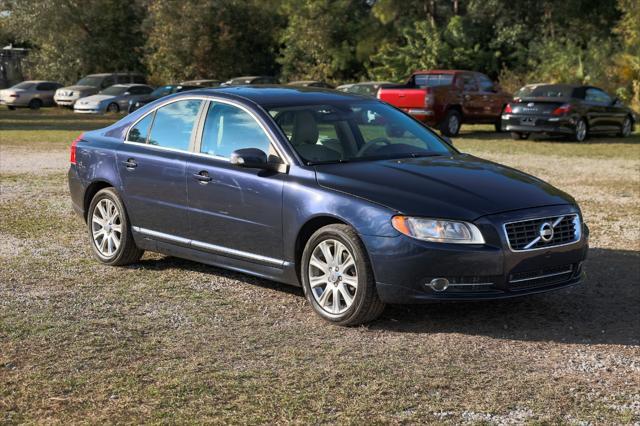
90, 81
469, 83
114, 90
597, 96
486, 85
173, 124
355, 131
108, 81
228, 128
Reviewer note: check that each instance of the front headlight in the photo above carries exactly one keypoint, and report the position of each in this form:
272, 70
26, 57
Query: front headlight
438, 230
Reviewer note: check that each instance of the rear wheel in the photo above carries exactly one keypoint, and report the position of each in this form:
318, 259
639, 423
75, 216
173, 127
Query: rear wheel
519, 136
35, 104
109, 230
11, 107
625, 129
450, 126
580, 132
338, 278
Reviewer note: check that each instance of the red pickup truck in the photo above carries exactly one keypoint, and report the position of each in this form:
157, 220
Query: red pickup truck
448, 98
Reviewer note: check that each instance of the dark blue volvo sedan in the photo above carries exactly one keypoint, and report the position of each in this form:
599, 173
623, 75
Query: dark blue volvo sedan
343, 195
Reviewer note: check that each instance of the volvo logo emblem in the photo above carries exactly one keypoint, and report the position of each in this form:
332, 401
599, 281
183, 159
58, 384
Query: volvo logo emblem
546, 232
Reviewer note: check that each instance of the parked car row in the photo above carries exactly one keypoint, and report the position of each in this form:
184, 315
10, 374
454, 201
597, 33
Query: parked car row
443, 99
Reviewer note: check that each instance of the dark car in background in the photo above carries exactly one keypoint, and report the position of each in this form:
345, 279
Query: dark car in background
346, 196
575, 111
310, 83
446, 99
366, 88
33, 94
248, 80
158, 93
201, 83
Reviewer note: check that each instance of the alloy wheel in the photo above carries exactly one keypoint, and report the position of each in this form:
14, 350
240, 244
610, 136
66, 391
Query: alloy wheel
581, 130
333, 276
106, 227
454, 124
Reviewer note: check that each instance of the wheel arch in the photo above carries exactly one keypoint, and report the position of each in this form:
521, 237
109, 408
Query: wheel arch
91, 191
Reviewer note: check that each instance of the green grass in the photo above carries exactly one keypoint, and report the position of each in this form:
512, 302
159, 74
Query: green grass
173, 341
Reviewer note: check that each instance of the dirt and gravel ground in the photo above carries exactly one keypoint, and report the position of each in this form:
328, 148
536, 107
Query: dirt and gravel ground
169, 340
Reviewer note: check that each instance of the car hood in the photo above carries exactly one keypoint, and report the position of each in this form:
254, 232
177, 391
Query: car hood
97, 99
456, 187
82, 89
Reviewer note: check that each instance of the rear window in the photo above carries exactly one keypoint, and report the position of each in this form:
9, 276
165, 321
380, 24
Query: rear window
433, 80
544, 92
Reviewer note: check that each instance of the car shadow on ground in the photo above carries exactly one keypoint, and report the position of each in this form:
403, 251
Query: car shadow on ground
605, 309
594, 139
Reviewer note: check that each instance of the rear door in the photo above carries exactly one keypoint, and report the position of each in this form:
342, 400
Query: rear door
234, 211
613, 113
597, 103
45, 92
472, 105
152, 166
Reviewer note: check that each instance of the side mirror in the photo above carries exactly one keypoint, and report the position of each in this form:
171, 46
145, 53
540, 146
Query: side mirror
252, 158
126, 93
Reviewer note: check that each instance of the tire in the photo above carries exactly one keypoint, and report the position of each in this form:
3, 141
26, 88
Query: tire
450, 126
35, 104
11, 107
126, 251
498, 126
519, 136
113, 107
581, 131
625, 129
331, 284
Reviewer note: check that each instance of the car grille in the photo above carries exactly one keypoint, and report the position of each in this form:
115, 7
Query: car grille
528, 234
542, 277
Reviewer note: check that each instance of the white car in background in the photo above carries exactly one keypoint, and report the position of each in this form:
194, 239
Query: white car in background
92, 84
112, 99
33, 94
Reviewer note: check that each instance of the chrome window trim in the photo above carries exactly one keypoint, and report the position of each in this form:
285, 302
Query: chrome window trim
207, 99
215, 249
577, 235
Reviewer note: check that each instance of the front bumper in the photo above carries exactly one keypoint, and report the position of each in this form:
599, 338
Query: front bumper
65, 100
404, 267
88, 109
538, 124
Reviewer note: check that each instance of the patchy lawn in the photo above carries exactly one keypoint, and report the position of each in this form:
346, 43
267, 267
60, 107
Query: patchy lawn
168, 340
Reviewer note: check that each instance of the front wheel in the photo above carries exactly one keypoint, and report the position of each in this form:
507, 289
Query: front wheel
35, 104
337, 277
450, 126
109, 230
11, 108
519, 136
113, 108
625, 129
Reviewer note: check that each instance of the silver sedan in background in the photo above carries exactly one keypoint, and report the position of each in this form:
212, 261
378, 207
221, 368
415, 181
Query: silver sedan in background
112, 99
33, 94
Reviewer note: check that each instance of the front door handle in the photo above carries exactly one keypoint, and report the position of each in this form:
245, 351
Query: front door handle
202, 177
130, 163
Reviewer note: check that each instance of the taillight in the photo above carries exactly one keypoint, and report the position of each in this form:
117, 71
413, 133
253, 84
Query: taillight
562, 110
429, 98
74, 148
508, 109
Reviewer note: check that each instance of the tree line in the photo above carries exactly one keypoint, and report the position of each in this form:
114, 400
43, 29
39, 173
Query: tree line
515, 41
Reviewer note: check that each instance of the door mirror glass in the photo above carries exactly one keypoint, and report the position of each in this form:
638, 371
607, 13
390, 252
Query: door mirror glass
252, 158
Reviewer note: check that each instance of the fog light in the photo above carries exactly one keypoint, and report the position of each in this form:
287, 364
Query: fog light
439, 284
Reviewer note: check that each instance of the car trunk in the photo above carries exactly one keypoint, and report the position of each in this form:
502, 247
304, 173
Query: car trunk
537, 106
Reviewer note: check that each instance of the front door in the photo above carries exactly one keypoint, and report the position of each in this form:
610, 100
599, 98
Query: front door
472, 106
234, 211
152, 167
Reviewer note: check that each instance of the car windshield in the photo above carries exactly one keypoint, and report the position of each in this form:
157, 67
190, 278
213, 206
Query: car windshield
24, 85
356, 131
546, 91
164, 90
114, 90
90, 81
433, 80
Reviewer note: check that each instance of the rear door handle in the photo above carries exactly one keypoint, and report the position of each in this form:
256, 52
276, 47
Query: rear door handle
202, 177
130, 163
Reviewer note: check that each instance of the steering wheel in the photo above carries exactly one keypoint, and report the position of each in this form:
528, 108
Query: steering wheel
372, 143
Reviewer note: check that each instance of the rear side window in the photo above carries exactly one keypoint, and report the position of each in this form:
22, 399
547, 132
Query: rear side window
228, 128
108, 81
140, 131
486, 85
433, 80
46, 86
173, 124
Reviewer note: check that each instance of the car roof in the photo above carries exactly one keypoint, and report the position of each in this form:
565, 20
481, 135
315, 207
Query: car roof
129, 85
559, 85
106, 74
443, 72
38, 81
276, 95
